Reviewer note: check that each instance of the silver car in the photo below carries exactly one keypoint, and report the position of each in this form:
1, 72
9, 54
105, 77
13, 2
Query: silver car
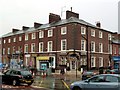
98, 82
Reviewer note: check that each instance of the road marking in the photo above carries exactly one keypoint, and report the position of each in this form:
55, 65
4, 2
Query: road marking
66, 85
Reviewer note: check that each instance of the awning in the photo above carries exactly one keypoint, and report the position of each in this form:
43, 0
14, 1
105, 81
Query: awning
116, 58
42, 58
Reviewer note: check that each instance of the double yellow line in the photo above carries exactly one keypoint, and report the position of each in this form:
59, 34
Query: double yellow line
66, 85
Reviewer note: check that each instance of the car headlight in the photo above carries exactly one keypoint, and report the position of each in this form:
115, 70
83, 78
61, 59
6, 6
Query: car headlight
72, 84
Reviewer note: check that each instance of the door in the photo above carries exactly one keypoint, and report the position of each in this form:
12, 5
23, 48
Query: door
73, 65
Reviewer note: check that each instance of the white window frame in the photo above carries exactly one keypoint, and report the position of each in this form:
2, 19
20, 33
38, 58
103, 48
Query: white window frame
14, 39
0, 41
92, 43
26, 37
65, 46
33, 35
83, 45
83, 30
26, 48
8, 50
63, 30
41, 34
92, 32
115, 50
3, 51
101, 62
100, 34
93, 63
109, 37
4, 41
49, 46
41, 48
33, 47
119, 50
9, 40
20, 38
50, 33
101, 47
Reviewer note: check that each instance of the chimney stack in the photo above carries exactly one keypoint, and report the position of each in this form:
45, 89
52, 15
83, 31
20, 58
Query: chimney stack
15, 30
54, 17
71, 14
36, 25
98, 24
25, 28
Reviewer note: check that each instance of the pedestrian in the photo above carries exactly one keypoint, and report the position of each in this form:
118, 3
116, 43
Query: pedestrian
62, 73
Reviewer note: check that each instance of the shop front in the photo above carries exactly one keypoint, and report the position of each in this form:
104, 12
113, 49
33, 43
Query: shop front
45, 62
116, 60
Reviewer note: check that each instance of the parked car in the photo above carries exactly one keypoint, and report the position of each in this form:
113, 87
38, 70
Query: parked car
113, 71
16, 77
88, 74
98, 82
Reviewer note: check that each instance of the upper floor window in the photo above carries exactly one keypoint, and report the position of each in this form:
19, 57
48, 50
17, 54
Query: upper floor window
83, 30
8, 50
92, 32
9, 40
33, 35
41, 47
4, 41
49, 46
115, 51
100, 61
93, 61
92, 46
100, 47
0, 42
33, 47
41, 34
14, 39
110, 48
63, 30
3, 51
63, 44
26, 37
83, 45
50, 33
119, 51
20, 38
100, 34
13, 50
26, 48
109, 37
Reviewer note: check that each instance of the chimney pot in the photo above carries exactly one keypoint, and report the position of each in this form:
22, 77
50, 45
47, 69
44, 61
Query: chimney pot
98, 24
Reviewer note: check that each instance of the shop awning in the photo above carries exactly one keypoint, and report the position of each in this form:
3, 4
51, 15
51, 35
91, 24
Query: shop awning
116, 58
42, 58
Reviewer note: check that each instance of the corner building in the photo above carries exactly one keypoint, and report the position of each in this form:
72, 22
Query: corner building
70, 43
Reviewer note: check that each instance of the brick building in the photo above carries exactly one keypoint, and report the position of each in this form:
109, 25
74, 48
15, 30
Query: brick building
116, 51
69, 43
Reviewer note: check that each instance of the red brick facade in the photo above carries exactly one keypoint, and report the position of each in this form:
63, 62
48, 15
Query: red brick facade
61, 58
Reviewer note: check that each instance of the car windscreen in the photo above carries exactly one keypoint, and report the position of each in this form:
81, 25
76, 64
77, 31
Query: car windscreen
25, 72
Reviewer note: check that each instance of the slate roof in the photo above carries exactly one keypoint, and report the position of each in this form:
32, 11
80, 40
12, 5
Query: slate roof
61, 22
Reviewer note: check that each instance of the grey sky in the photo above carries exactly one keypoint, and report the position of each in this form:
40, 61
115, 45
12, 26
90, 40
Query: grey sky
18, 13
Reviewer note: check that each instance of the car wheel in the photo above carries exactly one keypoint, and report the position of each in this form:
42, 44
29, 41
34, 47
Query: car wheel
77, 88
14, 82
29, 84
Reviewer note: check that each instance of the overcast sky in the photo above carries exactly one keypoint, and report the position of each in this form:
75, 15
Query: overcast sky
18, 13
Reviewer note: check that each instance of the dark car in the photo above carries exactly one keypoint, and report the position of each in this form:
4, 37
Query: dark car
16, 77
88, 74
113, 71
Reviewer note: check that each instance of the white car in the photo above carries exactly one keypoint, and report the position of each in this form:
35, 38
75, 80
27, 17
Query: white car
98, 82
